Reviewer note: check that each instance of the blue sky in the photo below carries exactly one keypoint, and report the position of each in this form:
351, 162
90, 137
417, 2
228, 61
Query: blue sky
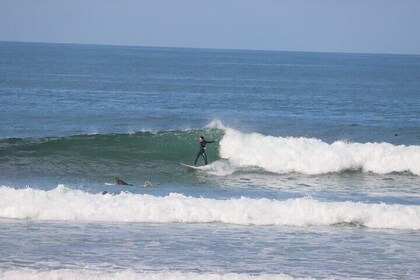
361, 26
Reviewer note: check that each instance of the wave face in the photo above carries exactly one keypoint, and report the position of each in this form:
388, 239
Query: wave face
101, 156
74, 205
313, 156
147, 145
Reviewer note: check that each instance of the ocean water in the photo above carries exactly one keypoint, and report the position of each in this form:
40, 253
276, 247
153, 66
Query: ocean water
315, 172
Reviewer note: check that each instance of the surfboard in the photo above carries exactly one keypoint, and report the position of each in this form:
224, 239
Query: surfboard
190, 166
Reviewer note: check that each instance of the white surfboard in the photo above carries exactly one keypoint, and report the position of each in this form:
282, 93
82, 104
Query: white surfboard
190, 166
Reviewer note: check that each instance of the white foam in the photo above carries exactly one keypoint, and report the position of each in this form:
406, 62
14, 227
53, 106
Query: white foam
219, 168
72, 274
313, 156
66, 204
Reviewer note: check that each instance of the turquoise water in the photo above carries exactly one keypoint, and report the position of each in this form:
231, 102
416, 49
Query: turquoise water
315, 171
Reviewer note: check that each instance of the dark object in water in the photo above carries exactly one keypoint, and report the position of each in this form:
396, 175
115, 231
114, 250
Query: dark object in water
121, 182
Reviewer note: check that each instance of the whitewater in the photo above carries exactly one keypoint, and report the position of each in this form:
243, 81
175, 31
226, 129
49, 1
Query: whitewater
74, 205
314, 156
67, 274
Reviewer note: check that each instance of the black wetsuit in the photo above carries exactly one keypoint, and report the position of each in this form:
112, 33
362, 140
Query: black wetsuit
202, 151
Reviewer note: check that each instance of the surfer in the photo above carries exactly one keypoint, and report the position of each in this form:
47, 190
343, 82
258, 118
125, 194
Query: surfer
202, 150
121, 182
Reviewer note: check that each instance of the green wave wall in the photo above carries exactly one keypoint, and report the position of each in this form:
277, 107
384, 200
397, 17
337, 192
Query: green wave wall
104, 155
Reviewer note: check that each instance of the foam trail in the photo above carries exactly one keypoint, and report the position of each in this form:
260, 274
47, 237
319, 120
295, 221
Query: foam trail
219, 168
72, 274
312, 156
74, 205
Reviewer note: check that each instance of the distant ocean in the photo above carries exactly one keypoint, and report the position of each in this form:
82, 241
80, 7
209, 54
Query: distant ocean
315, 172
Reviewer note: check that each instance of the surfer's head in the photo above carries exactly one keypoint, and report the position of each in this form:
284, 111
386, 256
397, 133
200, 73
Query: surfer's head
201, 138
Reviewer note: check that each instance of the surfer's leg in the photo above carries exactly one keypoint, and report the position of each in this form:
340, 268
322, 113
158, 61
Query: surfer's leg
196, 158
205, 158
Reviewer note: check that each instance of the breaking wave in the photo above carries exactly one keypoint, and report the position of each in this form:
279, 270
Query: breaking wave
313, 156
66, 204
100, 155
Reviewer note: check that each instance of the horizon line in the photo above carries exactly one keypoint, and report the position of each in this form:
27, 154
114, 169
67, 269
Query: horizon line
206, 48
